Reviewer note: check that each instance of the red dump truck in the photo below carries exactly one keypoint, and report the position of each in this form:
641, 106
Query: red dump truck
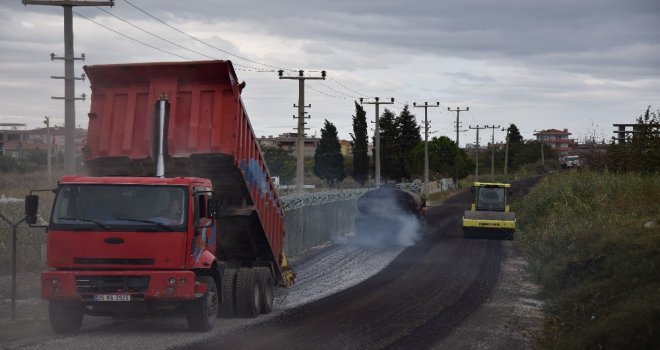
179, 211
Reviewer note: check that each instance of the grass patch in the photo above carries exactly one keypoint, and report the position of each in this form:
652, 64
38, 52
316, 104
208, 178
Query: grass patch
584, 236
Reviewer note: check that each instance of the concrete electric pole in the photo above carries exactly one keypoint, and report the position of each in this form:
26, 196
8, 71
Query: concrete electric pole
426, 106
300, 140
48, 146
458, 111
492, 155
377, 102
69, 78
476, 174
506, 152
542, 144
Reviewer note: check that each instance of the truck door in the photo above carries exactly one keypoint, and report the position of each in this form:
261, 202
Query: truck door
204, 230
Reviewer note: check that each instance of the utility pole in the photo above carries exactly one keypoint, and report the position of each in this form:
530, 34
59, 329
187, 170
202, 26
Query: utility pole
48, 145
377, 133
492, 155
300, 140
426, 106
476, 174
541, 142
458, 111
506, 152
69, 79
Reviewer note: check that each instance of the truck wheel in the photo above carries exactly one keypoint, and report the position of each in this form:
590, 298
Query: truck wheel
228, 307
248, 298
202, 312
65, 317
265, 281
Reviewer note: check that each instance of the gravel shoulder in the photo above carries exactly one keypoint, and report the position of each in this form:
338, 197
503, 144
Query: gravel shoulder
321, 272
508, 319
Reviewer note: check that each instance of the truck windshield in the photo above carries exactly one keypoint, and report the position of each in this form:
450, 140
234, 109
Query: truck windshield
120, 208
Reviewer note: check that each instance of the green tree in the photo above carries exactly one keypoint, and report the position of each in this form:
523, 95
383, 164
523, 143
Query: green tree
280, 163
390, 157
641, 151
408, 138
515, 144
514, 135
529, 152
444, 158
409, 132
360, 145
328, 160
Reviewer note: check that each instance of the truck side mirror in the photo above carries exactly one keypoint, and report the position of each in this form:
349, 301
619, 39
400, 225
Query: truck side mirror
31, 209
213, 209
473, 189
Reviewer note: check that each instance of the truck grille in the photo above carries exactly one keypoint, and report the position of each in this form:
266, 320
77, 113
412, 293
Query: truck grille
112, 284
112, 261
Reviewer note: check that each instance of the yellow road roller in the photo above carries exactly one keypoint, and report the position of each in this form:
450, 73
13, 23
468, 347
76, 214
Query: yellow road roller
489, 215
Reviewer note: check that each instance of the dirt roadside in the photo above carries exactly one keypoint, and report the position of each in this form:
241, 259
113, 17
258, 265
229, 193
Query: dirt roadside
510, 317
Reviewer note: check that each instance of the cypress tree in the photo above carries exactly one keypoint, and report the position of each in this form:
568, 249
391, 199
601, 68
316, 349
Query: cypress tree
360, 146
328, 160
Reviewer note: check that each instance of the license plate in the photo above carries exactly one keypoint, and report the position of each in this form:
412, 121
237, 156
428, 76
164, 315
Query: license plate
112, 297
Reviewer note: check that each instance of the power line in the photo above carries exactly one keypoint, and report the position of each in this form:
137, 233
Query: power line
130, 38
349, 89
155, 35
201, 41
248, 59
237, 66
326, 94
245, 67
337, 91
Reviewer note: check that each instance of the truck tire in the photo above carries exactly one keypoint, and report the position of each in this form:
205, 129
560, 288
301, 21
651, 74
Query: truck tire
202, 312
228, 307
265, 281
65, 317
248, 298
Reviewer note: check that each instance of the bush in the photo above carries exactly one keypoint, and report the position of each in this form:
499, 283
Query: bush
583, 233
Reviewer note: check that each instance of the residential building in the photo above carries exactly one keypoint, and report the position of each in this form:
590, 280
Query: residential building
16, 140
557, 139
287, 142
346, 147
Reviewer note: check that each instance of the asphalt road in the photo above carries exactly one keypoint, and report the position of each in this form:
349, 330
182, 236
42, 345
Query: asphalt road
417, 300
444, 292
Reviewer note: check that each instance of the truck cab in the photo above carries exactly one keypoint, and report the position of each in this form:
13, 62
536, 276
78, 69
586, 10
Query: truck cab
130, 244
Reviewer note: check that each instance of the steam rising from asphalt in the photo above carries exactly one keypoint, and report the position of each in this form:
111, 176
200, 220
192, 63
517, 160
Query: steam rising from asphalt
388, 217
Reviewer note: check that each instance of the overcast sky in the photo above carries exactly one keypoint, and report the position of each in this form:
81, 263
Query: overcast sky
581, 65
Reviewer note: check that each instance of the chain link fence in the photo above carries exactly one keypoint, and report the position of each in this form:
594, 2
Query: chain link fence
311, 219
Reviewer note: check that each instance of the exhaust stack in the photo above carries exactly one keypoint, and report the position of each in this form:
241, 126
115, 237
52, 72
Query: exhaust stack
160, 160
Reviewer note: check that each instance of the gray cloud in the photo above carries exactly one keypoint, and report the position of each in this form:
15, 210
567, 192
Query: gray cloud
540, 63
